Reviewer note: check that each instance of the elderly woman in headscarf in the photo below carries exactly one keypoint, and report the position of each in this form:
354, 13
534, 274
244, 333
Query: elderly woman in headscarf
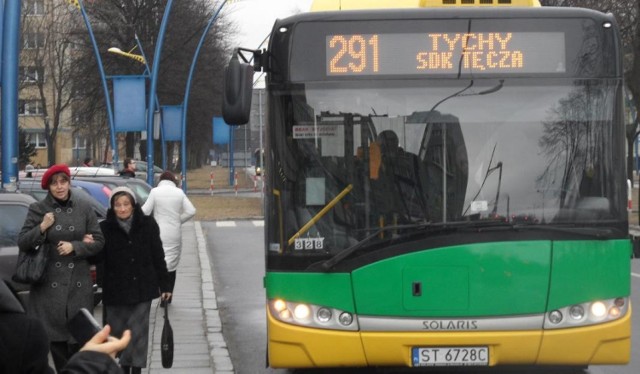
135, 273
67, 228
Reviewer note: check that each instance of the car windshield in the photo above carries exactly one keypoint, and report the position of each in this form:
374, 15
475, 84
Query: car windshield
353, 157
141, 190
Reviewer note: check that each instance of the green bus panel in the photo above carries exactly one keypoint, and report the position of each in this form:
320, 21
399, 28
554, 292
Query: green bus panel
505, 278
486, 279
327, 289
589, 270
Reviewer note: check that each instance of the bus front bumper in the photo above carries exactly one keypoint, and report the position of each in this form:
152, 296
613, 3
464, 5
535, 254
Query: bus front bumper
291, 346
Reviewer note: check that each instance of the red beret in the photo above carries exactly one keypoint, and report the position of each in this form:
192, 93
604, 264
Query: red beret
55, 169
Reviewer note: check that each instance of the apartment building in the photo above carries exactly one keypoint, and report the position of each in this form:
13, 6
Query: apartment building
48, 99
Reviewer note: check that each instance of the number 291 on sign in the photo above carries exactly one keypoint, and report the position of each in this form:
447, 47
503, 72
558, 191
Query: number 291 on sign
353, 54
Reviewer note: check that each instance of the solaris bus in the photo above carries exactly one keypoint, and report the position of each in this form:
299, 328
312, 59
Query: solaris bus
446, 185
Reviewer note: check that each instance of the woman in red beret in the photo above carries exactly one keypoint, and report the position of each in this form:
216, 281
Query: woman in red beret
68, 229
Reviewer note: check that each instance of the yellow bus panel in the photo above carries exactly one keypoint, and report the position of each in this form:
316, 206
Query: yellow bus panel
608, 343
292, 346
300, 347
326, 5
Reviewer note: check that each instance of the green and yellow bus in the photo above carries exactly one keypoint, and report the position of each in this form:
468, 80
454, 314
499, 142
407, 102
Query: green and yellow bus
447, 185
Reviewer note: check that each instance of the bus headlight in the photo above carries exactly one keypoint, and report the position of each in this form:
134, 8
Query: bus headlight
346, 319
585, 314
598, 309
324, 315
555, 317
576, 312
614, 312
311, 315
285, 315
301, 311
279, 305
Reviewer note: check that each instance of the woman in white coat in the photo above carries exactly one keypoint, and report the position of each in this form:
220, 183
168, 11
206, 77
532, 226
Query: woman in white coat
171, 208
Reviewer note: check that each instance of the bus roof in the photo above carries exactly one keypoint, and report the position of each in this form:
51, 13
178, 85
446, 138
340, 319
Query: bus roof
443, 12
324, 5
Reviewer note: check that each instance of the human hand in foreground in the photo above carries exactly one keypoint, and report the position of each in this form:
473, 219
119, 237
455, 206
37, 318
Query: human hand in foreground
165, 296
102, 342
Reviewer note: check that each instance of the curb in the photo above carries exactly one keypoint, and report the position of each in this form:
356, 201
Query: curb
217, 345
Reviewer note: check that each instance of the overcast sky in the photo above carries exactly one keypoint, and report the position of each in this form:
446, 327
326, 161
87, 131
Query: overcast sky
254, 18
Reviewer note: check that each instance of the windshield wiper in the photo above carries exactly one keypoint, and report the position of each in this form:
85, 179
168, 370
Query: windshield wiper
489, 225
594, 232
333, 261
480, 226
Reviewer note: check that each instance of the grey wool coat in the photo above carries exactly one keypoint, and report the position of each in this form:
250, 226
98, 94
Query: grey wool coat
67, 286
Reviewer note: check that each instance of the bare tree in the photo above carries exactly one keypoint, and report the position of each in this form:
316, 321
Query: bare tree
48, 63
26, 150
117, 22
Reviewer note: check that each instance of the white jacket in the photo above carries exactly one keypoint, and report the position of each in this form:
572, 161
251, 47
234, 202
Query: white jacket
171, 208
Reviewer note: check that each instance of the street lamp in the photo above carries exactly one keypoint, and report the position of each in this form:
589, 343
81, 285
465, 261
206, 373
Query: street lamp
120, 52
142, 58
185, 104
152, 90
9, 71
114, 145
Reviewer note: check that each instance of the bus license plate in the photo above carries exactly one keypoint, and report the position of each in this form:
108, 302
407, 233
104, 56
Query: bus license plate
450, 356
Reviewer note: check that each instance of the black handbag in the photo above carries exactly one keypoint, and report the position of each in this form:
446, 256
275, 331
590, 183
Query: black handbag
31, 265
166, 341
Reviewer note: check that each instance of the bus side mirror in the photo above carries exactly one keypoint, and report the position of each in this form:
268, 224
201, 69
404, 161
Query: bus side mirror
238, 85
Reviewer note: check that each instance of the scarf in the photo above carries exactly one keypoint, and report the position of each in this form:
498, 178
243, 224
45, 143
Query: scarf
126, 223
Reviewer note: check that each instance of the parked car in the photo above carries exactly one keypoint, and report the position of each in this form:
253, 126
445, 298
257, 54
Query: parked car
91, 170
139, 187
98, 191
13, 210
96, 194
14, 207
141, 170
31, 172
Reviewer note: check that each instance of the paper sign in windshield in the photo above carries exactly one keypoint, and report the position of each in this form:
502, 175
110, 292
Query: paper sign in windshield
310, 132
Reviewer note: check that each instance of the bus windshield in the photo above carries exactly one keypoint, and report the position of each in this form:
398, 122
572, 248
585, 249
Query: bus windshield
366, 155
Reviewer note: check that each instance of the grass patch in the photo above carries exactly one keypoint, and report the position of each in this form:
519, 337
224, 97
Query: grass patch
215, 208
200, 179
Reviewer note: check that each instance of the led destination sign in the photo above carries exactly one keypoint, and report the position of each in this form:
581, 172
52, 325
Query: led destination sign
445, 53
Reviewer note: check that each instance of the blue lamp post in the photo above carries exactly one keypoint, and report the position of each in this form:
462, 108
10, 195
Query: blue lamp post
103, 78
154, 82
152, 91
185, 105
148, 72
142, 58
10, 40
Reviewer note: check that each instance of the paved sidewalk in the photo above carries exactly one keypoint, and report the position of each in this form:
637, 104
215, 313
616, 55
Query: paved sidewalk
197, 329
